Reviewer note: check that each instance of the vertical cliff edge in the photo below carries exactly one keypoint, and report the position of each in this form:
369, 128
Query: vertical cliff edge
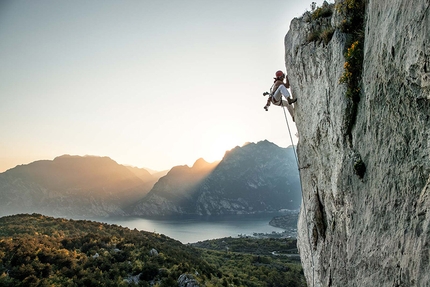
365, 163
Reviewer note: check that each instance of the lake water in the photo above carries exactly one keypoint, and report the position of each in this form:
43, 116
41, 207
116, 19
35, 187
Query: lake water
193, 229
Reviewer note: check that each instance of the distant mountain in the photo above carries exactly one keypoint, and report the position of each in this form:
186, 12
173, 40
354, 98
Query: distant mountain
152, 171
160, 174
254, 178
141, 173
147, 175
173, 192
73, 186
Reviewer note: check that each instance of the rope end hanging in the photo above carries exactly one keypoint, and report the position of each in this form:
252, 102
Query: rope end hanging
303, 199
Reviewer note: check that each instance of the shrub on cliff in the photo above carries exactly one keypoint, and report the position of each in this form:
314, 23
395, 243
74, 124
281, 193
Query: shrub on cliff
353, 70
326, 10
352, 12
321, 29
353, 15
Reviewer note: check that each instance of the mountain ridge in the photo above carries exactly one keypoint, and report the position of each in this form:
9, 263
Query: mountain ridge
96, 184
250, 179
99, 186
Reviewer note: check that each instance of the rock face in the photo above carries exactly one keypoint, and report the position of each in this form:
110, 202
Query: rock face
251, 179
373, 229
187, 280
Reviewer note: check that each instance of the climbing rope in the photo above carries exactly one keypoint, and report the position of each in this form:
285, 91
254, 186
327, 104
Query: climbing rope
301, 189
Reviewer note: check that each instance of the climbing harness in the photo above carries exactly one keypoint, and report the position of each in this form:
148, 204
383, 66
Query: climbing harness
301, 189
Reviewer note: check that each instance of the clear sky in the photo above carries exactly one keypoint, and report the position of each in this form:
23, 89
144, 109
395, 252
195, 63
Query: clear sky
148, 83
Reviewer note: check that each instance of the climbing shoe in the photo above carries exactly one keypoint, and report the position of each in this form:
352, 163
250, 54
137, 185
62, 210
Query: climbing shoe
290, 101
266, 108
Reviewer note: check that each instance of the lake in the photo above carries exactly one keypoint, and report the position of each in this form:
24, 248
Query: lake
199, 228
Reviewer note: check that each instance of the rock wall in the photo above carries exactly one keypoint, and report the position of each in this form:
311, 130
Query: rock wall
371, 230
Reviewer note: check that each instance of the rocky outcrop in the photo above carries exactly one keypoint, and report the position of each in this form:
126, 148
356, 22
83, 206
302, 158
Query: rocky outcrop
187, 280
285, 221
366, 174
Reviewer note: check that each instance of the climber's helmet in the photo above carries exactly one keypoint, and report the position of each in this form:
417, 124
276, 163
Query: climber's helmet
280, 75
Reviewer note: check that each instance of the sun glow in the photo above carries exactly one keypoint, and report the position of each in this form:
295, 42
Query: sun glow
218, 147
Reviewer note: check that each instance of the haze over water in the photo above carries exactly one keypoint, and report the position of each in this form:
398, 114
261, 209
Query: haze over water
194, 229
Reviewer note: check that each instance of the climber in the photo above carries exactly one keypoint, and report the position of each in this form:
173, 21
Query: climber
278, 89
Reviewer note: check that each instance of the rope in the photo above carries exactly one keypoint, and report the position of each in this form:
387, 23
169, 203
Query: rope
301, 188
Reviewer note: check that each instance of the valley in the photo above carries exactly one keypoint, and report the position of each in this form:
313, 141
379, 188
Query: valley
36, 250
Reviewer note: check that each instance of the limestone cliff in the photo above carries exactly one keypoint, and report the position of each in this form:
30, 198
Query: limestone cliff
367, 227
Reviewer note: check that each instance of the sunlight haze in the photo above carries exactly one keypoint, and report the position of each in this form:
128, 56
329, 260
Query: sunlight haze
146, 84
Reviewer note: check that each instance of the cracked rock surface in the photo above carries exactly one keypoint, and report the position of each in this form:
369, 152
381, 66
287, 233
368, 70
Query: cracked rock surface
373, 229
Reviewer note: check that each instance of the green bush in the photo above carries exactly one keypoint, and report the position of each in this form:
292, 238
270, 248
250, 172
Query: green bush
352, 12
353, 15
320, 27
353, 70
323, 35
326, 10
327, 34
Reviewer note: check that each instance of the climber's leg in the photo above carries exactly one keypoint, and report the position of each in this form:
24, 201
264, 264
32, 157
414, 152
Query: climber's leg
278, 94
269, 100
282, 90
289, 108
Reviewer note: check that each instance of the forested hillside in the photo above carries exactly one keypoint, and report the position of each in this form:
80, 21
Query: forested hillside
36, 250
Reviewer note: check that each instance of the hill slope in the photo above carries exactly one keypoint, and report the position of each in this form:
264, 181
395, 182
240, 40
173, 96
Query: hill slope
71, 186
36, 250
254, 178
41, 250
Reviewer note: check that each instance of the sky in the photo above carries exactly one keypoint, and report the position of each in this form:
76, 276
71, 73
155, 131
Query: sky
150, 84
